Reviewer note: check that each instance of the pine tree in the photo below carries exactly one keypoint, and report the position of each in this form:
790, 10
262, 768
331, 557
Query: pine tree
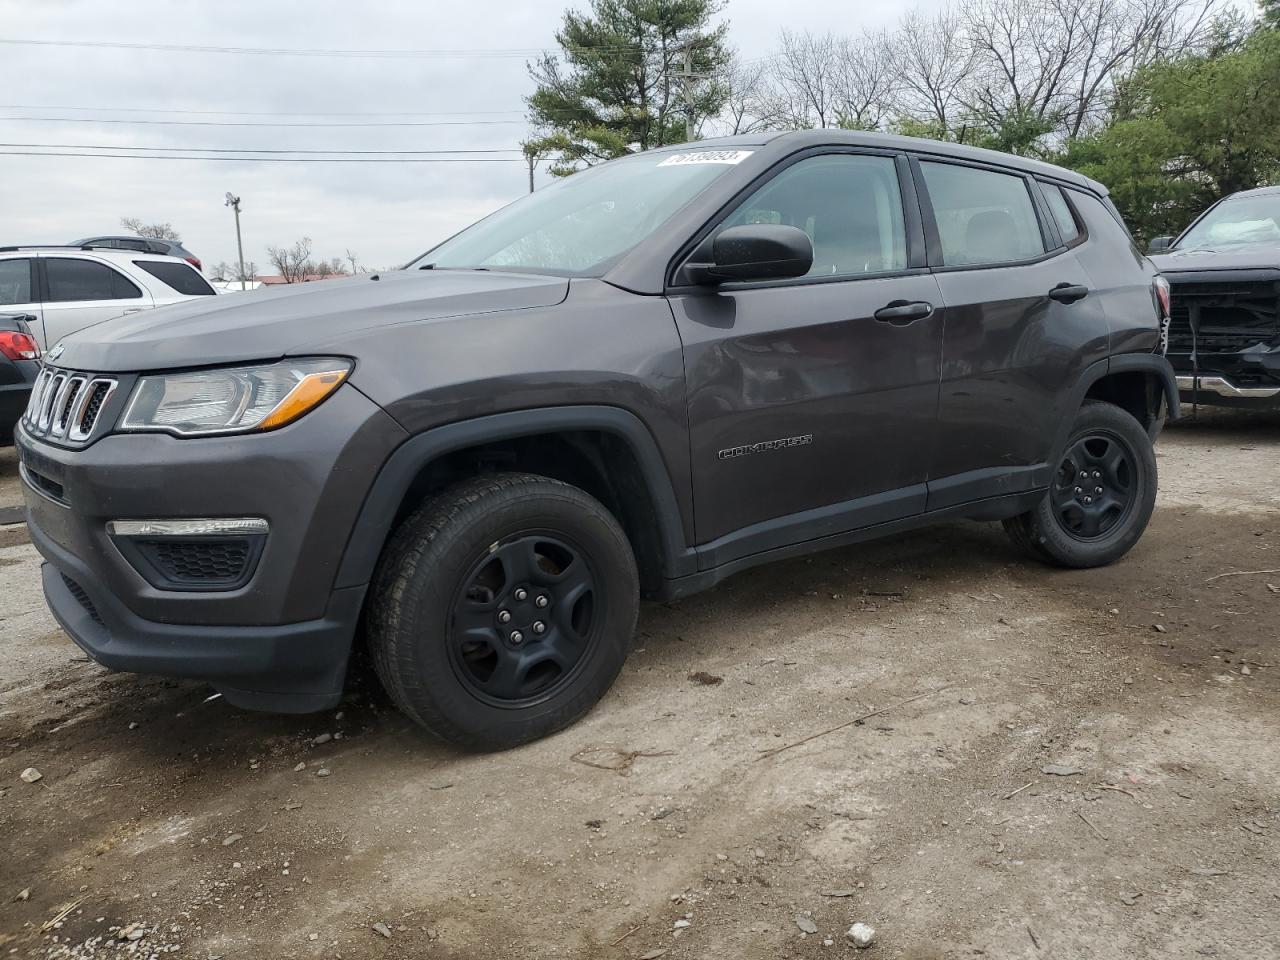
614, 88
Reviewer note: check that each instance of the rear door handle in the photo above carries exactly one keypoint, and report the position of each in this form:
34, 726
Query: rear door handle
900, 313
1069, 292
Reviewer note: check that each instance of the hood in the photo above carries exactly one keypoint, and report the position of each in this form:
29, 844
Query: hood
1253, 256
281, 321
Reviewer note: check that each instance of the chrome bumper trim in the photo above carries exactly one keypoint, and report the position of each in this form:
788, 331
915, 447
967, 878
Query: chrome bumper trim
1225, 388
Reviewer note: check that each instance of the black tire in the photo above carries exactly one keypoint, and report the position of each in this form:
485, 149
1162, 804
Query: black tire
1074, 526
459, 562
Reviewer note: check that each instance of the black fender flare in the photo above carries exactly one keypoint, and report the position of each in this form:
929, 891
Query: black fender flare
373, 525
1150, 363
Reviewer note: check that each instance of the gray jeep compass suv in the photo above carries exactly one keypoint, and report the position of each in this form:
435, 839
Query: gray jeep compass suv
638, 381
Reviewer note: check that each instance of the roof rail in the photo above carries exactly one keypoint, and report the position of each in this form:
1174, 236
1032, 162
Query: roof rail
60, 246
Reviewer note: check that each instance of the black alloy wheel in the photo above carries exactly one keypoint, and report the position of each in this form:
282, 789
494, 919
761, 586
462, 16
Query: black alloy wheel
1094, 487
523, 619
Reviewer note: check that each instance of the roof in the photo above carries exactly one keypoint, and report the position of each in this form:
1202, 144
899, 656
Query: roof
801, 139
1256, 192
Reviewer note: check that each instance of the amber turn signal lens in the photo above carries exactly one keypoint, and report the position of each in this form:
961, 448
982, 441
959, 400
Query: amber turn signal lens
309, 392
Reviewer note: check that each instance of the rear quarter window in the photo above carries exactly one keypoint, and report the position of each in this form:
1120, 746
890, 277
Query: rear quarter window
179, 276
1062, 213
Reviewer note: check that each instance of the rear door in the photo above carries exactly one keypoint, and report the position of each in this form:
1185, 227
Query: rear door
1020, 326
19, 292
80, 291
810, 415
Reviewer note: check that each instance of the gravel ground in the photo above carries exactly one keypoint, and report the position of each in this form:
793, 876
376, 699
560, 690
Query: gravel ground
198, 828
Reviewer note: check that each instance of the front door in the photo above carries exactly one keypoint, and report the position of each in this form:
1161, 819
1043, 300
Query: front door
812, 402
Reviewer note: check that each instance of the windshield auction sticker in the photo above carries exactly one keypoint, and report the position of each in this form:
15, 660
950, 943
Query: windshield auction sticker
706, 156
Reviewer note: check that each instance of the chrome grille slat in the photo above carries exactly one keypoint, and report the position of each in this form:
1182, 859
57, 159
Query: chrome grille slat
66, 405
62, 406
46, 407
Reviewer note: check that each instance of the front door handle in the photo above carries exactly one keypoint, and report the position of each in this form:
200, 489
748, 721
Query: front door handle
900, 313
1069, 292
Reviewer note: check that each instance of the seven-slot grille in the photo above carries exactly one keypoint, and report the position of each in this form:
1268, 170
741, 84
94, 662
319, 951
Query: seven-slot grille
66, 404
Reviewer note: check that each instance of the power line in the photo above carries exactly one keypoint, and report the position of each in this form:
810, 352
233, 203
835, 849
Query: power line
145, 156
254, 123
262, 113
516, 52
111, 146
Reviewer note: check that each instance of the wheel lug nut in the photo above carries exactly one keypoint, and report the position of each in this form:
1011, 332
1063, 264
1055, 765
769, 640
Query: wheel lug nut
504, 616
541, 602
1097, 489
1088, 499
539, 627
1079, 489
517, 637
522, 594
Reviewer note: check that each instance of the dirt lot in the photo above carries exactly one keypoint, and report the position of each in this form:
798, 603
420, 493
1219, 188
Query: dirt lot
216, 833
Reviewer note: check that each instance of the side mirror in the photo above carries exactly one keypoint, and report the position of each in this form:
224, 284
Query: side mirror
1159, 244
757, 251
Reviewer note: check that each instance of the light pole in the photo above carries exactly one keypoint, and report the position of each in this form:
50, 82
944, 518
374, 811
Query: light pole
234, 203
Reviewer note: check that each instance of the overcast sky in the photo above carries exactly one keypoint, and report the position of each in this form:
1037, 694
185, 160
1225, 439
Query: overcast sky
384, 213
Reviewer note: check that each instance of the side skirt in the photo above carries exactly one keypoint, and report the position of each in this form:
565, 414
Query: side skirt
990, 508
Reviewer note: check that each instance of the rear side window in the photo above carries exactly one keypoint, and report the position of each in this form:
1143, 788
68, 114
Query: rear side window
1060, 208
15, 282
848, 204
177, 275
71, 280
983, 216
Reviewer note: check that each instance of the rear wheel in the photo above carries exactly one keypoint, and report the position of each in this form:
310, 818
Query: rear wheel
503, 610
1101, 497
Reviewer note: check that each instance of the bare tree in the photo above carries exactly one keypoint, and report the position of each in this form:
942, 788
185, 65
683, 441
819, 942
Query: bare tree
231, 271
936, 64
155, 231
749, 103
292, 263
806, 80
866, 81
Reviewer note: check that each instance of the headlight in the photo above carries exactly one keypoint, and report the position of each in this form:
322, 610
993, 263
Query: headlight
233, 399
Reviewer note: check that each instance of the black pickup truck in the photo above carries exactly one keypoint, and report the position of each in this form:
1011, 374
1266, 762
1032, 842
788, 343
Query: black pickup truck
1224, 277
638, 381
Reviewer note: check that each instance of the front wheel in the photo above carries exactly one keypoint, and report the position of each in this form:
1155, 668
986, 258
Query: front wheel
1101, 496
503, 610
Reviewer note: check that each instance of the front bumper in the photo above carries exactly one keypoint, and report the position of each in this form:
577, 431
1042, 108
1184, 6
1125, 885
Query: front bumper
1214, 387
280, 641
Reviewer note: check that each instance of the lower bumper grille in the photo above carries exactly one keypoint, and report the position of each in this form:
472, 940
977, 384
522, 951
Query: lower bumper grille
82, 598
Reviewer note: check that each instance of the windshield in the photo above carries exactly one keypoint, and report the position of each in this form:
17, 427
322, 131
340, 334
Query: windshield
1233, 222
580, 225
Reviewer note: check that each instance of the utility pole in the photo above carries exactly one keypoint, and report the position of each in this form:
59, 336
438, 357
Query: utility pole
352, 257
533, 162
234, 203
687, 78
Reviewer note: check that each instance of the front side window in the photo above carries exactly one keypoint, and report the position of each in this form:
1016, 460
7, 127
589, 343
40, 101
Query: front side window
849, 205
73, 279
1239, 221
583, 224
983, 217
15, 282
